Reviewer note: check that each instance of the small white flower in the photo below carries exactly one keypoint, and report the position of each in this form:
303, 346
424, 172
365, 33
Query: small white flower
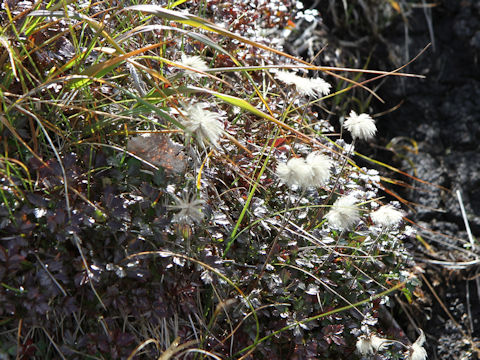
417, 352
203, 123
320, 165
344, 213
190, 209
386, 216
295, 172
360, 126
195, 62
305, 86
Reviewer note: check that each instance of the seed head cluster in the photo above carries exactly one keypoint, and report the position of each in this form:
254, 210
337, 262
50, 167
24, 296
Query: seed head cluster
305, 86
312, 171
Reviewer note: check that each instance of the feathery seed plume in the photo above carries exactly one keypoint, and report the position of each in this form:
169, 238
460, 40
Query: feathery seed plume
190, 209
386, 216
417, 351
295, 172
364, 345
305, 86
320, 165
311, 87
195, 62
344, 213
284, 172
203, 123
360, 126
287, 77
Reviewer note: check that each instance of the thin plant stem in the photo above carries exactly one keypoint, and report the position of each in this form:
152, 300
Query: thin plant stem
321, 210
275, 240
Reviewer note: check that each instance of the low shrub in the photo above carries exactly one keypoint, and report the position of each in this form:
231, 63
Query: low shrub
173, 187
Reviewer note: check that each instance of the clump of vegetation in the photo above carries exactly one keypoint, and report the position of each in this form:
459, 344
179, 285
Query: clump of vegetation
169, 191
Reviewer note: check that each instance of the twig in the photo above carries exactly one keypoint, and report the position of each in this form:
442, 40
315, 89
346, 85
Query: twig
465, 220
51, 276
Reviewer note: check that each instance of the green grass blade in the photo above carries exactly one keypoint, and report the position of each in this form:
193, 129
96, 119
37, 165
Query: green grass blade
252, 192
176, 3
235, 101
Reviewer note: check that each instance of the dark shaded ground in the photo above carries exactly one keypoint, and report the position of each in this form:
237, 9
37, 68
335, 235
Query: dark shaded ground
441, 115
441, 112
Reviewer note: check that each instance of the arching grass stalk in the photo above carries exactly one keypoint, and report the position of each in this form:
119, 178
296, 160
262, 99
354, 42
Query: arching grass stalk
319, 316
57, 155
321, 282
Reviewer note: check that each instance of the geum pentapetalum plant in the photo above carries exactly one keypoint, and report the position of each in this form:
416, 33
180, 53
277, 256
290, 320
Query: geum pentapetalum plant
239, 122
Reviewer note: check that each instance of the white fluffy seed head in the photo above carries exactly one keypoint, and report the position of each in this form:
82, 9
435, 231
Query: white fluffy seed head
311, 87
344, 213
305, 86
295, 172
195, 62
205, 124
364, 345
320, 165
286, 77
312, 171
361, 126
386, 216
302, 173
285, 174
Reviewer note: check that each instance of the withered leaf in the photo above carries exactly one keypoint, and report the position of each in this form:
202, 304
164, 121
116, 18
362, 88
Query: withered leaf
159, 150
